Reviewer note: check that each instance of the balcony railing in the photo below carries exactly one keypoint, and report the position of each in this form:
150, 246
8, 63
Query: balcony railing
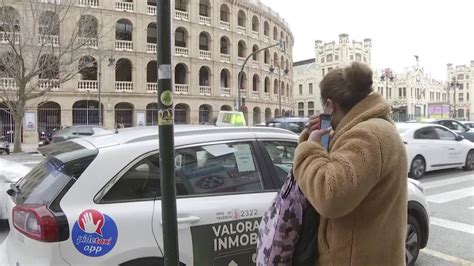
255, 64
205, 90
225, 91
7, 84
274, 98
225, 24
89, 3
255, 34
48, 84
49, 39
205, 54
181, 88
124, 6
241, 29
151, 10
151, 87
124, 86
183, 51
88, 85
151, 48
123, 45
205, 20
240, 60
255, 95
267, 96
5, 37
266, 39
184, 15
89, 42
225, 57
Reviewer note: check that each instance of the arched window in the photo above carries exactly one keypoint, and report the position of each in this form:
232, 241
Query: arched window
152, 72
124, 30
205, 114
255, 55
152, 114
9, 20
301, 109
49, 67
275, 86
204, 41
255, 24
275, 59
88, 68
49, 117
124, 115
204, 8
241, 19
180, 38
181, 74
225, 45
86, 112
267, 85
329, 58
88, 26
310, 108
49, 24
204, 76
225, 78
181, 5
123, 70
256, 82
275, 33
242, 49
266, 58
268, 114
226, 108
181, 113
225, 13
257, 116
244, 81
266, 29
151, 34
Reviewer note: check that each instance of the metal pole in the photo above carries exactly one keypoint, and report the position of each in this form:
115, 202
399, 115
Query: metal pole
166, 135
99, 91
279, 90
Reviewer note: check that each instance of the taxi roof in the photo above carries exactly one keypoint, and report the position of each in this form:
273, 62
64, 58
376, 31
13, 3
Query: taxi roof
185, 134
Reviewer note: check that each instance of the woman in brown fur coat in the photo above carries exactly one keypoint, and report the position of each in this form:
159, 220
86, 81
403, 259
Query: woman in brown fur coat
359, 186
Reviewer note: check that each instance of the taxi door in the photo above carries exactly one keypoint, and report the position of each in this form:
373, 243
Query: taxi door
222, 192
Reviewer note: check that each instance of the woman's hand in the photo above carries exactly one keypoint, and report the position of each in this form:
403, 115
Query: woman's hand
317, 135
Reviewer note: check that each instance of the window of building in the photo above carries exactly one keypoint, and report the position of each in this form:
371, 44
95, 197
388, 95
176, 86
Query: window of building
461, 97
310, 88
181, 5
329, 58
461, 86
322, 60
467, 96
460, 76
300, 87
204, 8
323, 72
301, 109
404, 92
400, 93
336, 57
310, 108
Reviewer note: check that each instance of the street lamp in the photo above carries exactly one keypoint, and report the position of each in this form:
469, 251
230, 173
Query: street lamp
453, 84
272, 69
239, 100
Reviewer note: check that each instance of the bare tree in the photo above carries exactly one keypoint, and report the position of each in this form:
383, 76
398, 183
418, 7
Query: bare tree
41, 45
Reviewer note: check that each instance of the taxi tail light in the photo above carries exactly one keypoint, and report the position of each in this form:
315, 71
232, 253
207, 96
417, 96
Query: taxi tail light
36, 222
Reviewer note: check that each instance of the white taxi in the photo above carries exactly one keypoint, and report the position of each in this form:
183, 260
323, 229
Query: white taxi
96, 200
433, 147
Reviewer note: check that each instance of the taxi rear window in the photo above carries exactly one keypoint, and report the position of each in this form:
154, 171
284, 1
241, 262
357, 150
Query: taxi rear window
50, 177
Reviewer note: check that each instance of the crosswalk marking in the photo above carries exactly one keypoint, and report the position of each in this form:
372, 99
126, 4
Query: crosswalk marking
451, 195
446, 182
461, 227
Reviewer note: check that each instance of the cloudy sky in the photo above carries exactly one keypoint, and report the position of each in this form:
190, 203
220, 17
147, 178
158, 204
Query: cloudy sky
439, 32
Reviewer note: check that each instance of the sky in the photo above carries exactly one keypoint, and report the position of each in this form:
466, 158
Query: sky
439, 32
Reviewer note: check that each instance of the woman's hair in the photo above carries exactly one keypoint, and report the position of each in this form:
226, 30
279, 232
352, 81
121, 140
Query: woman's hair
347, 86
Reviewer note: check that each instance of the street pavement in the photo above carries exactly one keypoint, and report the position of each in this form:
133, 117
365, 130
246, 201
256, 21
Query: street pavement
450, 195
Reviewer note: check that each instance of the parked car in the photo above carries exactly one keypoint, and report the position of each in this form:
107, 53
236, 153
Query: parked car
4, 146
92, 191
72, 132
469, 124
457, 127
294, 124
434, 147
10, 172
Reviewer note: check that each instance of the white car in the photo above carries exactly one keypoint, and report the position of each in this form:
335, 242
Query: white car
10, 172
433, 147
95, 200
469, 124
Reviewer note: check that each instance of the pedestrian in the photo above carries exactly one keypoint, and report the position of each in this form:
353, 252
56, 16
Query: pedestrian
359, 185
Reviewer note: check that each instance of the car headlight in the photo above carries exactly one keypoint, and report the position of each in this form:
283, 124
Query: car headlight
418, 185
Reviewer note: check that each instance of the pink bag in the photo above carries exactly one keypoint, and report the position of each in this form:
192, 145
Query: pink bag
279, 230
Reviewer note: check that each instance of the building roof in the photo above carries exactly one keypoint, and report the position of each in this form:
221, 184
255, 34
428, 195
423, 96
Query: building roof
304, 62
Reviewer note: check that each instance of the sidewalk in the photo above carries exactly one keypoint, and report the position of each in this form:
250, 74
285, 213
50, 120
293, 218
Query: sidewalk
27, 147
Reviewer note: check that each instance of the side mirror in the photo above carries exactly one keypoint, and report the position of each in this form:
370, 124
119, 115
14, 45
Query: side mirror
459, 138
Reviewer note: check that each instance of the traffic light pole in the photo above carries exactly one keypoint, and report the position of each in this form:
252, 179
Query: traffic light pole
166, 135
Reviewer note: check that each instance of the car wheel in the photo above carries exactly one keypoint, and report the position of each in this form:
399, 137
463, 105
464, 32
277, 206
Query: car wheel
412, 241
418, 167
469, 166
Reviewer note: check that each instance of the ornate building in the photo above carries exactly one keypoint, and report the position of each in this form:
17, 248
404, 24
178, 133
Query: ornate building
461, 91
212, 38
328, 56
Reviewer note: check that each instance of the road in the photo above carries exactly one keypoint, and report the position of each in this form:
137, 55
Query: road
450, 194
